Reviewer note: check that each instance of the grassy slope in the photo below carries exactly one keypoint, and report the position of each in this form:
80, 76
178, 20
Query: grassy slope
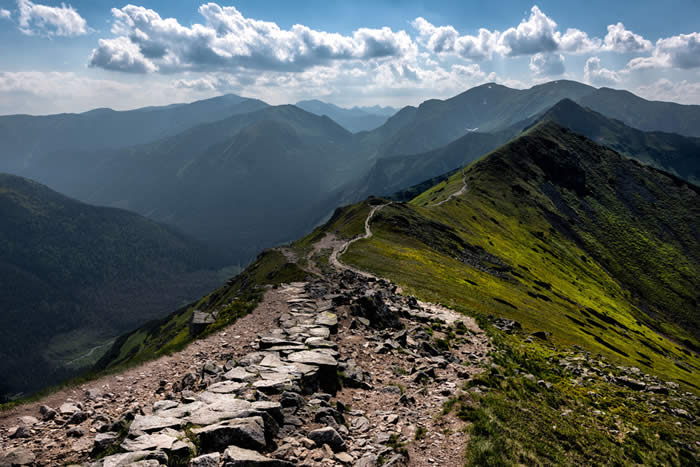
500, 250
507, 249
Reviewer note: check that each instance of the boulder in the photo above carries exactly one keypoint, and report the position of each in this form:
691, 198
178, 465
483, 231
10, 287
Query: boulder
328, 436
373, 308
248, 433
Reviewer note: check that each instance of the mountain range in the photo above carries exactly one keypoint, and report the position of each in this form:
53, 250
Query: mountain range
580, 264
236, 176
355, 119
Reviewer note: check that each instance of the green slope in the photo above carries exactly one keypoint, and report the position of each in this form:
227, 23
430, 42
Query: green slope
73, 276
564, 236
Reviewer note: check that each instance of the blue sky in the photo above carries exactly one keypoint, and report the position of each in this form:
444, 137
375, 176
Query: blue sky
74, 56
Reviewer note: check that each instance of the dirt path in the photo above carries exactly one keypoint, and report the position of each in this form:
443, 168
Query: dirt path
339, 249
455, 194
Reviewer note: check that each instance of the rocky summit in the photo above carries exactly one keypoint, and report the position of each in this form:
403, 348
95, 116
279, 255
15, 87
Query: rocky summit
331, 381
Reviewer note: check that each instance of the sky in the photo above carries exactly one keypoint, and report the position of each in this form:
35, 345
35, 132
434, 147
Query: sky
71, 57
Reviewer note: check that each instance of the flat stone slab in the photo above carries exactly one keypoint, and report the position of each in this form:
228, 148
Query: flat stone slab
223, 402
151, 423
227, 387
133, 458
318, 331
239, 457
327, 319
313, 357
239, 374
163, 441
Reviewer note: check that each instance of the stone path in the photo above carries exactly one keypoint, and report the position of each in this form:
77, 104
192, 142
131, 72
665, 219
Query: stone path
341, 370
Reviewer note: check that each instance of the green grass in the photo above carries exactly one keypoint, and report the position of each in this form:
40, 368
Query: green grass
510, 252
515, 420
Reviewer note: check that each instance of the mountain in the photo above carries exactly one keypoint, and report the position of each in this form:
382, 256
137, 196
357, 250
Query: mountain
75, 275
354, 120
386, 111
239, 184
673, 153
608, 246
492, 108
645, 115
486, 108
579, 265
54, 148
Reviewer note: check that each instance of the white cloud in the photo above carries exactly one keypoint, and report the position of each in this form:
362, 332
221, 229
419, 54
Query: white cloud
621, 40
230, 41
594, 73
547, 64
5, 14
446, 40
576, 41
682, 51
536, 34
674, 91
121, 54
42, 20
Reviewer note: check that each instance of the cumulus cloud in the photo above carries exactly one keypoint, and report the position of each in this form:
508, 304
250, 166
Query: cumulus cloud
146, 42
547, 64
682, 51
594, 73
620, 39
536, 34
5, 14
42, 20
446, 40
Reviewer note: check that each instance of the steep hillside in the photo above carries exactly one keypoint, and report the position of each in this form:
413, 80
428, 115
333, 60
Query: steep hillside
580, 264
353, 120
54, 148
74, 276
554, 222
240, 184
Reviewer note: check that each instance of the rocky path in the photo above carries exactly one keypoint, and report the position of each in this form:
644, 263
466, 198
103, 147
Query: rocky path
341, 370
